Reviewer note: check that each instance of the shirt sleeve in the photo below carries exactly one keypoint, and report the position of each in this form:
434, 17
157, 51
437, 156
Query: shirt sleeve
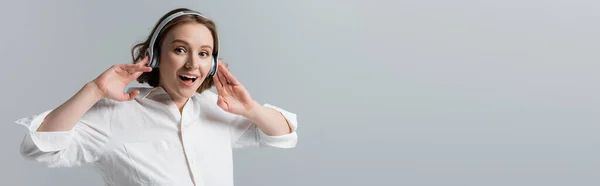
82, 144
247, 134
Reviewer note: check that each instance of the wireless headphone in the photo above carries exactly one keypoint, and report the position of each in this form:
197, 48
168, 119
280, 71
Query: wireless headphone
152, 50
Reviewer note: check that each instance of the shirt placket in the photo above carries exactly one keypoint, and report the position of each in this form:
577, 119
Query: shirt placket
188, 146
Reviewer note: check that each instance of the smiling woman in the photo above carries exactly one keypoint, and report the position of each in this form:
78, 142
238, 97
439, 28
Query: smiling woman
176, 132
186, 41
173, 39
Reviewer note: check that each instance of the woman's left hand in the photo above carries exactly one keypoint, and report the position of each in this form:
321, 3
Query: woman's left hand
233, 97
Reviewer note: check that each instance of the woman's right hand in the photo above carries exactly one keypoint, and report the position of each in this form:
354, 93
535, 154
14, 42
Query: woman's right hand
113, 81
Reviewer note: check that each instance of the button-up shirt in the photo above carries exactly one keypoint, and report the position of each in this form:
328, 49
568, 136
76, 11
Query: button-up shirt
147, 141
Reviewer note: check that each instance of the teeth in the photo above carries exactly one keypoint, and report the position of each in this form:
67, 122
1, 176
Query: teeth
190, 77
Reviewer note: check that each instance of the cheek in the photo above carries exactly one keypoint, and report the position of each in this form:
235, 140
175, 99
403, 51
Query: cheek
164, 73
170, 63
206, 66
166, 69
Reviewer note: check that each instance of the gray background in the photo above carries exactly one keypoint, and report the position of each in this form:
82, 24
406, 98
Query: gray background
430, 92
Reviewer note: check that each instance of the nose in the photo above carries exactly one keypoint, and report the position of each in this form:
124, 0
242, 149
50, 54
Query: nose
193, 63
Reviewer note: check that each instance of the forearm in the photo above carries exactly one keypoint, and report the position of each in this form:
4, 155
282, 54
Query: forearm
65, 117
270, 121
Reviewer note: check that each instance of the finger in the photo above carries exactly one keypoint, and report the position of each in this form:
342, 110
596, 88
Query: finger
133, 94
133, 69
130, 96
132, 73
128, 67
138, 68
137, 74
120, 70
222, 78
230, 78
136, 71
230, 89
217, 81
218, 85
222, 103
221, 62
143, 62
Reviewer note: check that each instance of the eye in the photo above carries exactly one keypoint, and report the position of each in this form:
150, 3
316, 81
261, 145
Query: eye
204, 54
179, 50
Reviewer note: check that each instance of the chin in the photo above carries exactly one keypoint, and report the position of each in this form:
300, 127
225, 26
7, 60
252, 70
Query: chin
188, 91
182, 92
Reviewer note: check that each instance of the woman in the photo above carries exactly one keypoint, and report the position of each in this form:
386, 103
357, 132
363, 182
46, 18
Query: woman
176, 132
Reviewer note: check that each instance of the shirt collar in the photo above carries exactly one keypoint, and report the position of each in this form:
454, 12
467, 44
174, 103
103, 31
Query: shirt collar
150, 92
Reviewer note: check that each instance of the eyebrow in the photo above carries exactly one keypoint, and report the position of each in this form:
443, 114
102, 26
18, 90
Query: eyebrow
186, 43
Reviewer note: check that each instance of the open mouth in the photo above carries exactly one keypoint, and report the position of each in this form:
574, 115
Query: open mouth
188, 79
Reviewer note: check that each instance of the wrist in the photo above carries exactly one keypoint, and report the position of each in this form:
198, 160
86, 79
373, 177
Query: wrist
253, 111
93, 89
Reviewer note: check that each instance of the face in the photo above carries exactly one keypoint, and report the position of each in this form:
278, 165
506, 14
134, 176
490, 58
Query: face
185, 59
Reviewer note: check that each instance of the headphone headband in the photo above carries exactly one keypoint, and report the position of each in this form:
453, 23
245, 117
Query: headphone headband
152, 49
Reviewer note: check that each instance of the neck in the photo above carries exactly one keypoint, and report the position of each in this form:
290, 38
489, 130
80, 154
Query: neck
179, 101
180, 104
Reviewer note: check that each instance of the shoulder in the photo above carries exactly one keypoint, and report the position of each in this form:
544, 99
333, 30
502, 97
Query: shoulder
144, 91
207, 101
207, 95
207, 104
107, 103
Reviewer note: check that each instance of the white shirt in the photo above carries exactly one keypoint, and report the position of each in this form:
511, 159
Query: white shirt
147, 142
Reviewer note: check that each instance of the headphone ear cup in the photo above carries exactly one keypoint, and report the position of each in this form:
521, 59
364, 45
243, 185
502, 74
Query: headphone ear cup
213, 67
155, 60
152, 59
149, 63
